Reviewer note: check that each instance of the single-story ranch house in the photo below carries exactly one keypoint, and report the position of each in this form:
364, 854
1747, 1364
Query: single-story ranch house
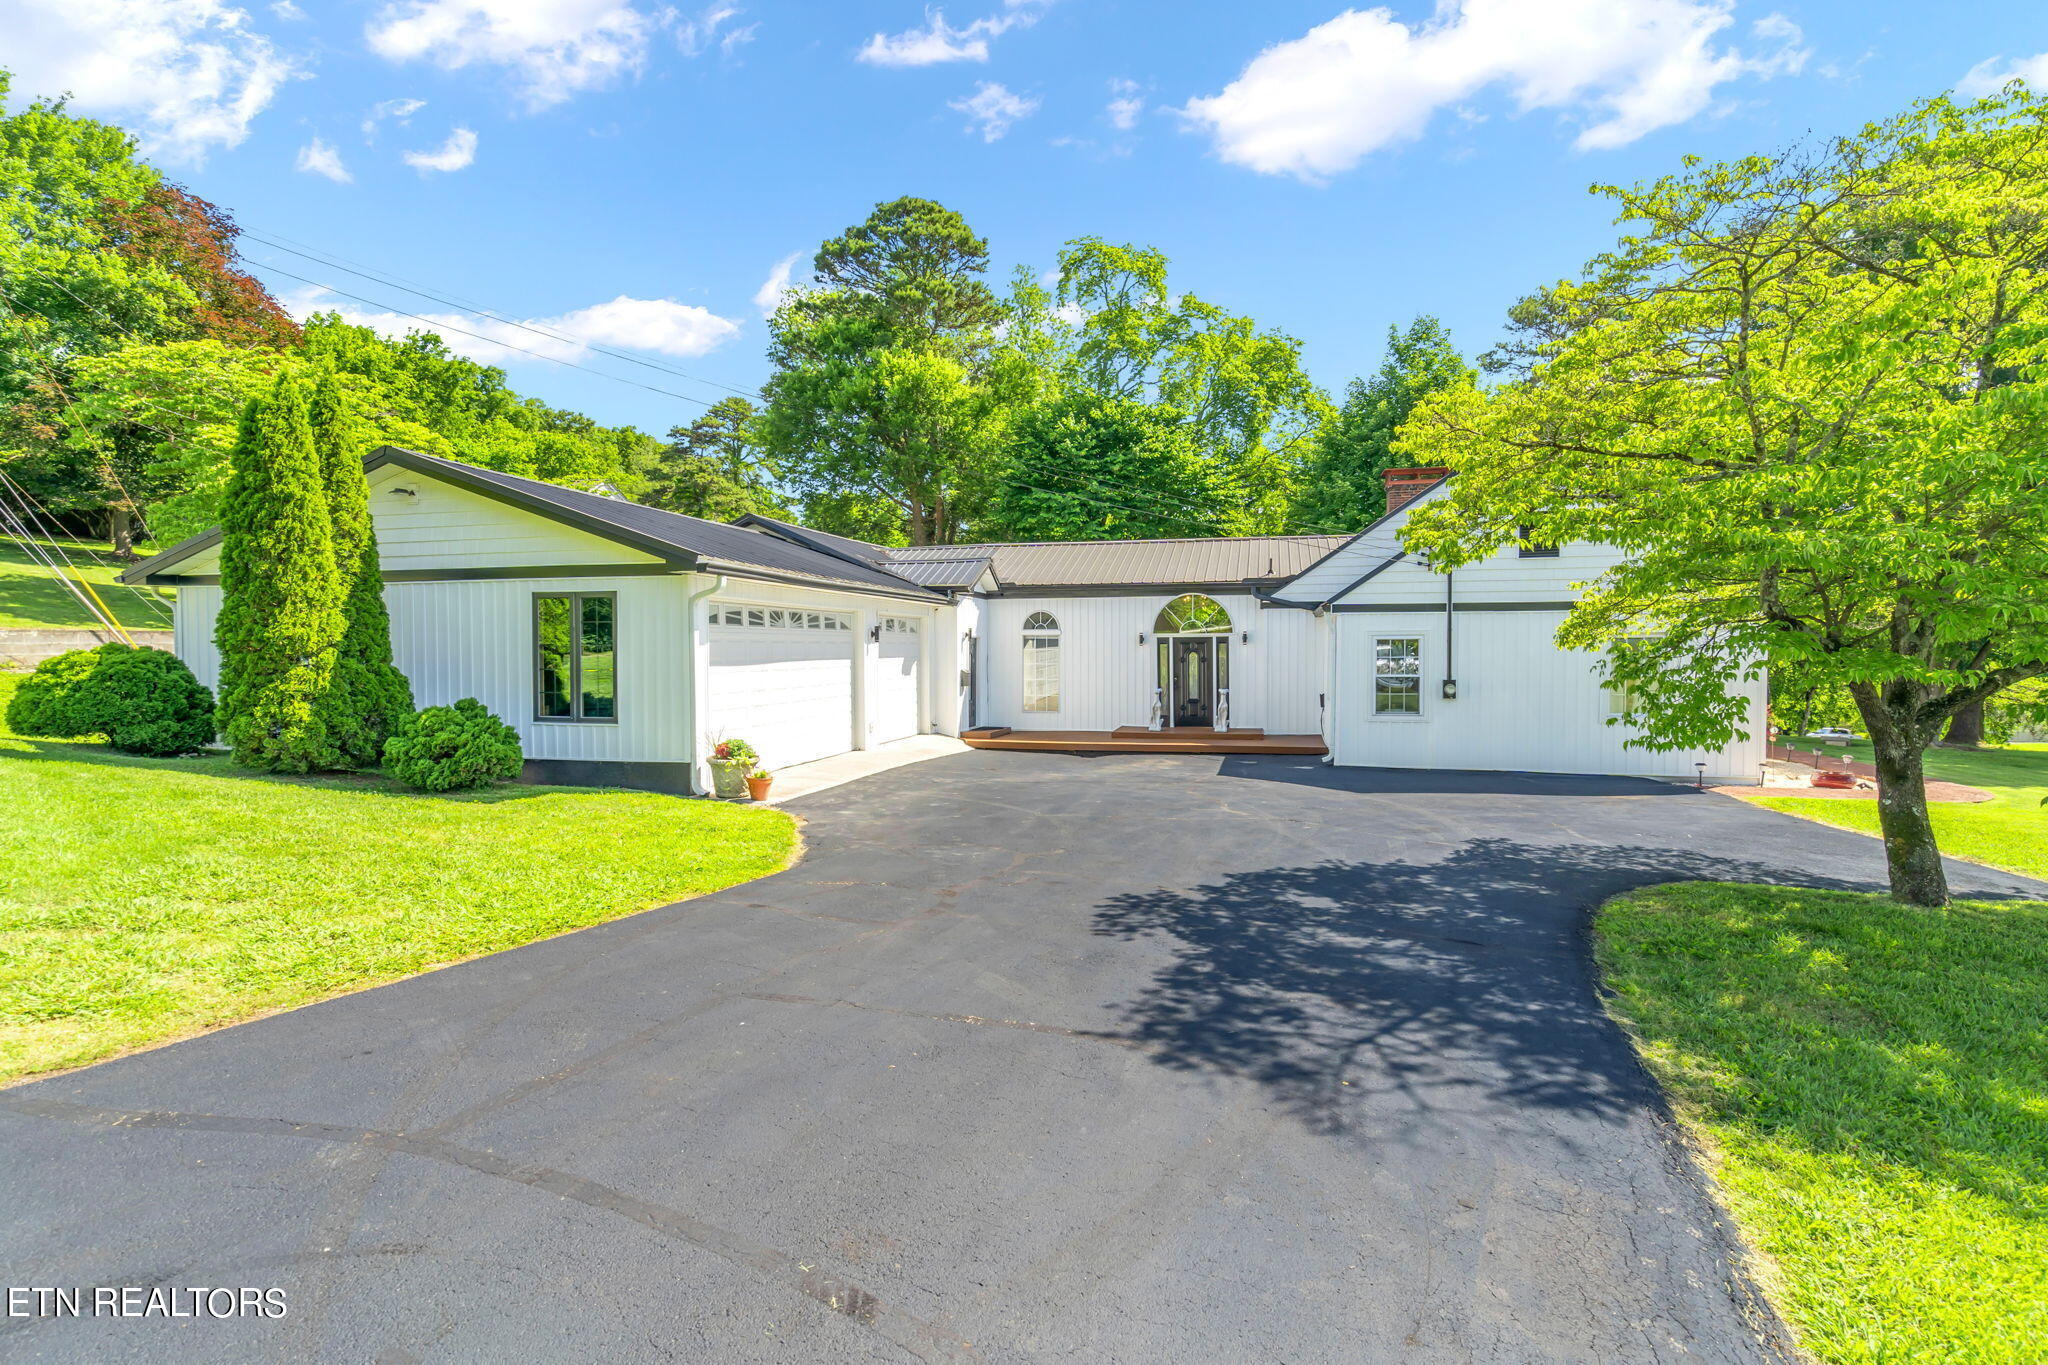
624, 642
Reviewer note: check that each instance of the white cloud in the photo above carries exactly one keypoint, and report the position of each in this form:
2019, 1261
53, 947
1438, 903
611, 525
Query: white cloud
939, 41
287, 11
992, 108
1988, 77
453, 155
399, 112
1316, 105
320, 158
769, 296
699, 35
188, 76
1124, 105
553, 48
659, 325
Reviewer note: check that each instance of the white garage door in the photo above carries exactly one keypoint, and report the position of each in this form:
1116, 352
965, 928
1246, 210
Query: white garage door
782, 679
896, 680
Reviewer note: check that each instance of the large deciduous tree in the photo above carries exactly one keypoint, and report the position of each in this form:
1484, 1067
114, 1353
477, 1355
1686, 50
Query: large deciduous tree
1342, 488
1112, 328
887, 385
1085, 467
1804, 395
280, 619
368, 698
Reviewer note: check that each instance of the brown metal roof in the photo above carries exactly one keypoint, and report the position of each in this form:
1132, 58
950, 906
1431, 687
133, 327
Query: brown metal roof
1132, 563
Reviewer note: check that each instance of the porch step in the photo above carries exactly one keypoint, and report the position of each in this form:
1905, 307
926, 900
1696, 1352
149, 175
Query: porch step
1138, 740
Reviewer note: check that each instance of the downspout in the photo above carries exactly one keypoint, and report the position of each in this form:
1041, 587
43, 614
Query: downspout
717, 584
1450, 616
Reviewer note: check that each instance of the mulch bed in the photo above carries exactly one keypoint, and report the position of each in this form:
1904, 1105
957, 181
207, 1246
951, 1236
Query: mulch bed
1936, 791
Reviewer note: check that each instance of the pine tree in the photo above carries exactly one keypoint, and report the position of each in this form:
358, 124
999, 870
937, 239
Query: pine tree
280, 616
368, 697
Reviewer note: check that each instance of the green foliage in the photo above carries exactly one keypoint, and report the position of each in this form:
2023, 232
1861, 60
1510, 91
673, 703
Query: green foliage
1804, 398
368, 698
281, 599
46, 702
453, 748
1869, 1080
1067, 450
860, 516
1342, 488
713, 468
144, 701
887, 384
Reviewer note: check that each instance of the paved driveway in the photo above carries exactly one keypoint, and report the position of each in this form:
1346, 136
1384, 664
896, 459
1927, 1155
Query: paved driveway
1033, 1057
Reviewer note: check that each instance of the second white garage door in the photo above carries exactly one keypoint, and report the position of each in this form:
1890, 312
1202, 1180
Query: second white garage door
896, 680
782, 679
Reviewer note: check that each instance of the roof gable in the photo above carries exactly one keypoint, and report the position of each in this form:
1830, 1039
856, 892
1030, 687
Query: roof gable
1356, 559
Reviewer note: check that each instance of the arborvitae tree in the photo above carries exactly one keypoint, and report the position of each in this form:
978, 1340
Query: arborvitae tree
280, 615
369, 697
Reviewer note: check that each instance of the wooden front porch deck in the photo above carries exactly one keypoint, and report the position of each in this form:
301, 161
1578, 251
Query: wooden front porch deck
1136, 739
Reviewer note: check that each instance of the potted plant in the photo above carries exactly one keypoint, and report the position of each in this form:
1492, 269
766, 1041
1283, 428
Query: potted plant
731, 761
758, 783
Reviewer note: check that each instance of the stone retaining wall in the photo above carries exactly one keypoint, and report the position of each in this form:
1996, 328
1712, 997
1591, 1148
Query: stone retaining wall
27, 648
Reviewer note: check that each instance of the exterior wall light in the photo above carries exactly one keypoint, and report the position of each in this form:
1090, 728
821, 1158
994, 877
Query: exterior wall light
1141, 639
1245, 638
1450, 689
875, 633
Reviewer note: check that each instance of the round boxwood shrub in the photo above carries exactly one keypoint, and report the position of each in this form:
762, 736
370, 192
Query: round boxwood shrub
145, 701
45, 705
449, 748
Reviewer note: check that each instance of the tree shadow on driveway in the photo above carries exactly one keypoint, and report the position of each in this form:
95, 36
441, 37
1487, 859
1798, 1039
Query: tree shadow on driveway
1375, 997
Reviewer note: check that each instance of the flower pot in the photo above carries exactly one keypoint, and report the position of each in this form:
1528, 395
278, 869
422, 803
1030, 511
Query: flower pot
757, 787
728, 778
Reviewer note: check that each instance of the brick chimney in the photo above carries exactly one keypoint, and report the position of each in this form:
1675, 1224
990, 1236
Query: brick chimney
1406, 485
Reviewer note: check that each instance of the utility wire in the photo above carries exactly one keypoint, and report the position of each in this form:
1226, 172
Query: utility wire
45, 521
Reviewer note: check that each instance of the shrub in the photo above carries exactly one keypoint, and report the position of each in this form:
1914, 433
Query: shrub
448, 748
45, 705
145, 702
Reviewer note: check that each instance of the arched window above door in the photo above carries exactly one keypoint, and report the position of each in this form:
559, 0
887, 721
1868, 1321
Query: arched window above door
1192, 614
1039, 620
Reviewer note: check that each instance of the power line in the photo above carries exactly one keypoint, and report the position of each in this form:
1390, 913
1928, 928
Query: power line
394, 281
44, 521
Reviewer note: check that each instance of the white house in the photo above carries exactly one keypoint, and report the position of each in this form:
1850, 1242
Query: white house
623, 642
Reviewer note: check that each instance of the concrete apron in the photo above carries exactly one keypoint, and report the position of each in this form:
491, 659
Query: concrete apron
839, 769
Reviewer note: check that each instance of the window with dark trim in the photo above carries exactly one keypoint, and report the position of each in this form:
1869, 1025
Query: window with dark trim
575, 656
1531, 549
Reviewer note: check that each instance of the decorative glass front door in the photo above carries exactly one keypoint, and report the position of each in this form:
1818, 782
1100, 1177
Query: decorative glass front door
1193, 692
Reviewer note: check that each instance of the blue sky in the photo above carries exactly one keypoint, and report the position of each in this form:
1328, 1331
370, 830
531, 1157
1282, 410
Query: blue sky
629, 174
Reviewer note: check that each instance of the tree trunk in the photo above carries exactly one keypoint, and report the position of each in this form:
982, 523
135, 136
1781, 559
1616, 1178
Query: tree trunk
1966, 727
1912, 857
121, 531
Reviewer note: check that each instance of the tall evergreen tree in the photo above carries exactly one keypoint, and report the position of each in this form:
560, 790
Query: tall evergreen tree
1342, 490
369, 696
280, 617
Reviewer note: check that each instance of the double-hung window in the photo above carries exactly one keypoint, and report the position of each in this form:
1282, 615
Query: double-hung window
575, 648
1397, 675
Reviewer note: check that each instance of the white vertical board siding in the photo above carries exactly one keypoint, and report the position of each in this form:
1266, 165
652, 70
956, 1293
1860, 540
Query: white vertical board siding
1524, 704
192, 621
962, 619
1107, 678
896, 680
475, 639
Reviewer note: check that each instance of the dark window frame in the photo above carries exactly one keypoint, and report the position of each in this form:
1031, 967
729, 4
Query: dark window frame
575, 601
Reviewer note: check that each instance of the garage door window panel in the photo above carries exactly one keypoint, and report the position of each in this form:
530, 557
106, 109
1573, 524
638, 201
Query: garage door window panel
575, 645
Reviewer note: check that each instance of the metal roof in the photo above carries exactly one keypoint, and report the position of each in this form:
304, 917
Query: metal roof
1132, 563
962, 572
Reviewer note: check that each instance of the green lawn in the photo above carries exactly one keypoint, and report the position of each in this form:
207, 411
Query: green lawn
144, 899
1870, 1083
2009, 832
29, 596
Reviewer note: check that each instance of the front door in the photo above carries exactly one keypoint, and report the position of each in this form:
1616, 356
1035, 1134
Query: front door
1194, 682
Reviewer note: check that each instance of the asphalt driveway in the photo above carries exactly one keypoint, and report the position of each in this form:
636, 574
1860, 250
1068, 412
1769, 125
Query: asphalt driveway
1033, 1057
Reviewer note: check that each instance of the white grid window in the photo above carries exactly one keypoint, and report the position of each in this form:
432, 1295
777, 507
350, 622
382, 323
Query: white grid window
1041, 662
778, 618
899, 625
1397, 676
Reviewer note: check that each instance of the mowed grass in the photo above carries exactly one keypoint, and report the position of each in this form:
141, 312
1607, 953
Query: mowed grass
2010, 831
1870, 1082
30, 597
143, 899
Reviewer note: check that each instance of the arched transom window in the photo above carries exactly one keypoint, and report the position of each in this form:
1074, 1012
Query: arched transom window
1192, 614
1041, 662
